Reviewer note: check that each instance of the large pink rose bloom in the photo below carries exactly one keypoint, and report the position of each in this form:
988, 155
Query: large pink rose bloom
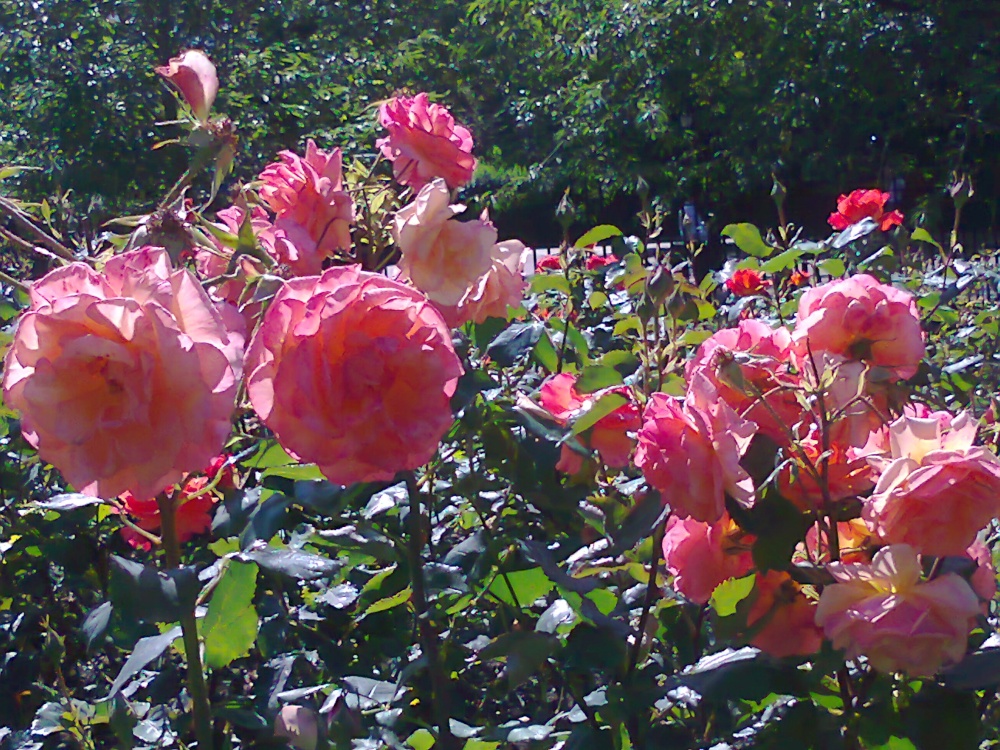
194, 76
700, 555
748, 366
425, 143
442, 257
125, 379
692, 456
884, 612
354, 372
937, 490
860, 318
496, 290
313, 212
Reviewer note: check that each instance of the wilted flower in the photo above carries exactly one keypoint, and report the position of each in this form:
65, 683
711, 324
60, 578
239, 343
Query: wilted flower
864, 204
125, 379
884, 612
424, 143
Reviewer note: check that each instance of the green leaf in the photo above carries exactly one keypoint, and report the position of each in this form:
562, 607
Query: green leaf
524, 651
12, 170
747, 238
832, 266
782, 261
545, 353
422, 739
147, 594
922, 235
529, 586
549, 282
230, 625
622, 360
596, 377
390, 602
599, 409
730, 593
598, 234
481, 745
597, 300
507, 348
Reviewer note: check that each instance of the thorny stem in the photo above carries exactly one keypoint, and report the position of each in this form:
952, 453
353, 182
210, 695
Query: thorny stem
428, 634
201, 710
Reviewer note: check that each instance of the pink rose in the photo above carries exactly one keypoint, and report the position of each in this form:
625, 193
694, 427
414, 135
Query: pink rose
124, 379
354, 372
984, 579
848, 473
501, 287
700, 556
693, 457
859, 318
194, 76
847, 397
884, 612
783, 617
609, 436
853, 538
936, 489
441, 257
864, 204
424, 143
312, 210
743, 362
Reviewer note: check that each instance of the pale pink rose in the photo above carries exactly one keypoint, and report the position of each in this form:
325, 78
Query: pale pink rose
936, 490
194, 76
692, 456
354, 372
840, 388
984, 580
502, 286
313, 212
746, 363
860, 318
125, 379
610, 436
884, 612
700, 556
783, 617
424, 143
441, 257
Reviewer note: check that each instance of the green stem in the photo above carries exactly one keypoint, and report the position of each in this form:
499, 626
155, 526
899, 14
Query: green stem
189, 627
428, 634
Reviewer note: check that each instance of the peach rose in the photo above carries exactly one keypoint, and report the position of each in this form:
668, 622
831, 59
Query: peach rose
442, 258
936, 489
743, 362
864, 204
194, 76
609, 436
884, 612
313, 212
496, 290
692, 456
860, 318
424, 143
124, 379
354, 372
700, 555
853, 537
783, 617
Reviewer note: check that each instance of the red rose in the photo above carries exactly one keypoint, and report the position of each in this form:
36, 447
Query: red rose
746, 282
864, 204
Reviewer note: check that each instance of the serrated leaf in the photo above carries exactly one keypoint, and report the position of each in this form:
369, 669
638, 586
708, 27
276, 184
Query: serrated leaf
230, 625
598, 234
747, 238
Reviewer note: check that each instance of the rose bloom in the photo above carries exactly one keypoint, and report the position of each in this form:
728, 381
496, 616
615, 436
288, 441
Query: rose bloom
548, 263
783, 617
984, 579
312, 209
424, 143
848, 474
194, 76
595, 261
354, 372
937, 490
746, 282
853, 537
496, 290
743, 362
441, 257
798, 278
860, 318
884, 612
864, 204
692, 456
193, 514
609, 436
124, 379
700, 555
